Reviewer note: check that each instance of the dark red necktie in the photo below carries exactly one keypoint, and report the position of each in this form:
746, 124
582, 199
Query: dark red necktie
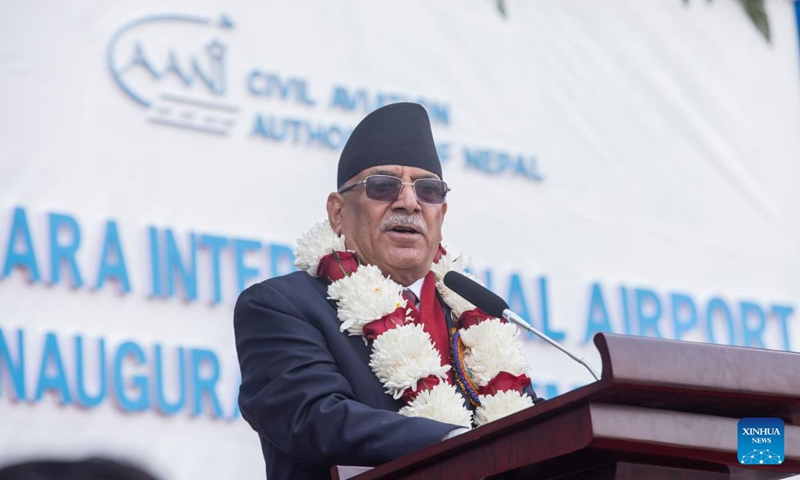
411, 301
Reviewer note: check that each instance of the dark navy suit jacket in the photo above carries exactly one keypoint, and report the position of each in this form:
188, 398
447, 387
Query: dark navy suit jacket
307, 388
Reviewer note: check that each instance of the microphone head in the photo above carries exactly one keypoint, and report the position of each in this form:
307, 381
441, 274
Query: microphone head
475, 293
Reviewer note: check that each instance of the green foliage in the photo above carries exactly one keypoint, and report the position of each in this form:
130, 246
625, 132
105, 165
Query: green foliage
754, 8
757, 13
501, 7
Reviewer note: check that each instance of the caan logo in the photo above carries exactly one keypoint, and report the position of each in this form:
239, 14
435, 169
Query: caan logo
175, 67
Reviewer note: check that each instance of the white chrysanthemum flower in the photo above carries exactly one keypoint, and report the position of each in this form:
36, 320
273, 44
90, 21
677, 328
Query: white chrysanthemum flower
363, 297
499, 405
403, 356
491, 347
441, 403
315, 244
447, 263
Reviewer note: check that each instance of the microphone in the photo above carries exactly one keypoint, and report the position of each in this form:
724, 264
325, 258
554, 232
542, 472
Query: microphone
491, 303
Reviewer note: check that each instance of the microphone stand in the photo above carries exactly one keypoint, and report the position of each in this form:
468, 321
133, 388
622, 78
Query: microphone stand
513, 317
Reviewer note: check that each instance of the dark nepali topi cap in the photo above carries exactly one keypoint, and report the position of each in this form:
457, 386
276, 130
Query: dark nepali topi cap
396, 134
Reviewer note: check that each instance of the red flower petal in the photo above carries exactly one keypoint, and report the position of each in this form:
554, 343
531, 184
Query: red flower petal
375, 328
335, 266
441, 251
505, 382
474, 317
426, 383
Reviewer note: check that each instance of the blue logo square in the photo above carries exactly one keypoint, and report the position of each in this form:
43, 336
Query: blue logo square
761, 441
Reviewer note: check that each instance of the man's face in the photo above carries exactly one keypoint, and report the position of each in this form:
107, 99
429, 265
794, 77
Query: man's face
400, 237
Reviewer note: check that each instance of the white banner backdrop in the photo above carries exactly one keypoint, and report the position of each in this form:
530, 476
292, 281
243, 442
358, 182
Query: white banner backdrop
615, 167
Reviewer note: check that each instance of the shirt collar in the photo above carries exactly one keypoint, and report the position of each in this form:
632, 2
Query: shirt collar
416, 287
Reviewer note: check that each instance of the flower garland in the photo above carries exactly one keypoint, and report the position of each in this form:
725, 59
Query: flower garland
487, 353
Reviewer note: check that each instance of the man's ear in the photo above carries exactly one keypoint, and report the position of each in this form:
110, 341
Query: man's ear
335, 206
444, 212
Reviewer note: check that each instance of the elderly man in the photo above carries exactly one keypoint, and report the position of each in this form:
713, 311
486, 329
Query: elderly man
317, 378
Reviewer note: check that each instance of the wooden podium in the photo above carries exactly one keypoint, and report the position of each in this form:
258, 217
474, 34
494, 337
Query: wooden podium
662, 409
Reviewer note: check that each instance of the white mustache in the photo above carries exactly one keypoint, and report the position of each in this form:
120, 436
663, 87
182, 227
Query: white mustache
396, 219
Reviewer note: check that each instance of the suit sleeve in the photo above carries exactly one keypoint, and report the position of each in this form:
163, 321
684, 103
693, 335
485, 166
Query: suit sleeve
293, 394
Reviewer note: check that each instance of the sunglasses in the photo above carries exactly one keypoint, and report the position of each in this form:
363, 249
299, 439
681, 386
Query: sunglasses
386, 188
